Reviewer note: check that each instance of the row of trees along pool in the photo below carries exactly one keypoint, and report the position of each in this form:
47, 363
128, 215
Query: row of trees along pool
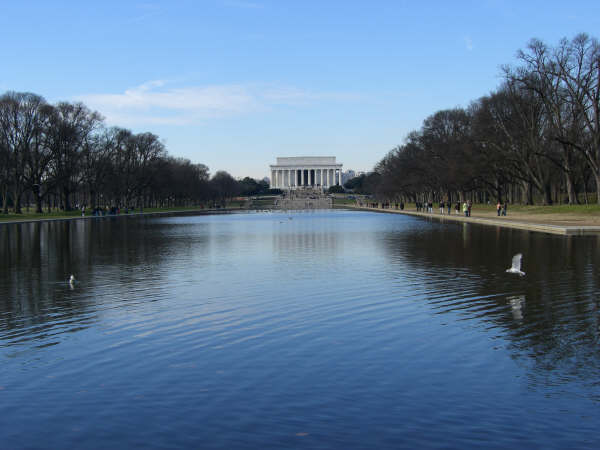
536, 137
62, 155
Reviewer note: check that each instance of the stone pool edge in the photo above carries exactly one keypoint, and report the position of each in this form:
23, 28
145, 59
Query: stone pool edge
114, 216
542, 228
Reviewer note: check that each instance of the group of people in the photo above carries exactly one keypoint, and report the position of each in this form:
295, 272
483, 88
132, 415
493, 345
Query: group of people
467, 208
424, 207
501, 208
112, 211
445, 206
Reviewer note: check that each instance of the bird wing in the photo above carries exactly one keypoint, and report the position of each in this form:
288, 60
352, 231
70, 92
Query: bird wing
516, 261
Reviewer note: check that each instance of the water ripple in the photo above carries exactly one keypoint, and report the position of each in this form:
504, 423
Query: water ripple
333, 330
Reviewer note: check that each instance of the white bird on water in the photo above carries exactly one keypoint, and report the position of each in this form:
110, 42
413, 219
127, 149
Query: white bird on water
516, 265
72, 280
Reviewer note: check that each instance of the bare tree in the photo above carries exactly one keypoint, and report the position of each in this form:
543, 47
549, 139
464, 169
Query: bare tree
224, 185
149, 155
578, 65
98, 154
20, 134
566, 79
70, 126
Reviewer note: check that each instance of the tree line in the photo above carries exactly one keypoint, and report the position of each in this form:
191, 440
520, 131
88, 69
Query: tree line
56, 156
536, 138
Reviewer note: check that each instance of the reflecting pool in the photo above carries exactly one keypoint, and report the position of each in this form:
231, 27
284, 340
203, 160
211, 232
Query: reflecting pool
326, 329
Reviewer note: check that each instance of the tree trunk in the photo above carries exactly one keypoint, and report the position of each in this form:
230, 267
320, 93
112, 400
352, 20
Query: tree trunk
570, 186
66, 199
5, 201
597, 177
526, 193
93, 200
547, 194
38, 203
17, 202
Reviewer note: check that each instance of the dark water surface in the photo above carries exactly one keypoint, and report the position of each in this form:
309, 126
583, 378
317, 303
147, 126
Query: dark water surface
329, 329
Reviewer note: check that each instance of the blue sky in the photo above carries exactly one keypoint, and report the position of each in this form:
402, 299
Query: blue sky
235, 83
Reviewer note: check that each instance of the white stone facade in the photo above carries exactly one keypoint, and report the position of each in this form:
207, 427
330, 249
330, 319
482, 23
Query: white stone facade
297, 172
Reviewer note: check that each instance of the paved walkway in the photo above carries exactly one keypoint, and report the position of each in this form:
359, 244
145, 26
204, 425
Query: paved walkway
572, 230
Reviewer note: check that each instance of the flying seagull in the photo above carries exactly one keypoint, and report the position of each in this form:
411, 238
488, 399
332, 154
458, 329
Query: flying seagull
516, 265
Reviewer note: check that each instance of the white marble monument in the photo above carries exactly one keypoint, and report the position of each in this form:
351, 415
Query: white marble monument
297, 172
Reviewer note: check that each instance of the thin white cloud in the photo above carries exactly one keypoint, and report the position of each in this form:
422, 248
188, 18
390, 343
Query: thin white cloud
208, 99
144, 11
157, 102
468, 43
291, 95
243, 4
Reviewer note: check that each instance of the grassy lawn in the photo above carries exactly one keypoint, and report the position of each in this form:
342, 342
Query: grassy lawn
557, 209
35, 216
263, 203
539, 209
341, 201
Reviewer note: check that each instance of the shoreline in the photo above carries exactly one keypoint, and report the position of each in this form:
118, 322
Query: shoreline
516, 223
114, 216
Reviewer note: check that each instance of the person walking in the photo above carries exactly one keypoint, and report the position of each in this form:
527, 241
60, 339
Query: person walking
442, 207
466, 209
504, 208
498, 207
469, 208
449, 207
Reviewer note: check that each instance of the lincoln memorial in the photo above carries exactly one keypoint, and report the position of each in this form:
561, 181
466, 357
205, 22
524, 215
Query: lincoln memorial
306, 171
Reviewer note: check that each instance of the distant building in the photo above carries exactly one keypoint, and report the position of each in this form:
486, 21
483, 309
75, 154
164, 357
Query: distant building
297, 172
348, 175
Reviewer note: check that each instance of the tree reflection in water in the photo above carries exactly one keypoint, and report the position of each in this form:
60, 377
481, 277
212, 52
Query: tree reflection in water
551, 316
